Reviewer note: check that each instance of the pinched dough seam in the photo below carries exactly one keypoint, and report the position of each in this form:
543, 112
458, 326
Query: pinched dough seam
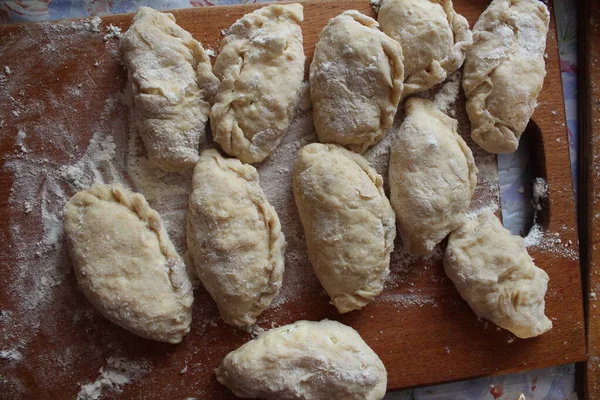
276, 242
139, 206
437, 71
396, 61
364, 295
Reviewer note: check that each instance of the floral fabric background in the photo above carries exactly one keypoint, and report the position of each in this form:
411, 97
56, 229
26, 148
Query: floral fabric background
554, 383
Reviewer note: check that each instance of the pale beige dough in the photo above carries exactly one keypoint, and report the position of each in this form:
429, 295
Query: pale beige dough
125, 263
234, 238
348, 223
261, 67
172, 85
305, 361
433, 36
432, 176
493, 272
355, 81
504, 71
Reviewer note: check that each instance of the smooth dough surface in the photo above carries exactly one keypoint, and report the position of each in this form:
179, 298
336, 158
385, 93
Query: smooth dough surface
305, 361
496, 276
504, 71
432, 176
433, 36
348, 223
355, 81
261, 67
125, 263
172, 85
234, 238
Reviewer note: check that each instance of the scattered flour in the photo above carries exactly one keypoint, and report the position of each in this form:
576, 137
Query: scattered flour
117, 373
112, 32
448, 94
11, 355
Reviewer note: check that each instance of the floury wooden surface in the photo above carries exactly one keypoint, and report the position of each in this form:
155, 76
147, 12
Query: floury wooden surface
423, 342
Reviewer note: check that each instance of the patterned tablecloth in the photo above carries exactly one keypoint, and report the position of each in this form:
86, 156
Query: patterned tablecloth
554, 383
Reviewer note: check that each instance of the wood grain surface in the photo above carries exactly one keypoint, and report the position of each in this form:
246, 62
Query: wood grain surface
427, 343
590, 186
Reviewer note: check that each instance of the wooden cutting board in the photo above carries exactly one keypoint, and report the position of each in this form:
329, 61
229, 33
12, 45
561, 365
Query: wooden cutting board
589, 162
62, 94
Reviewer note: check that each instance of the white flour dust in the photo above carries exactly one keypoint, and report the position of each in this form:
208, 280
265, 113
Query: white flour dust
117, 373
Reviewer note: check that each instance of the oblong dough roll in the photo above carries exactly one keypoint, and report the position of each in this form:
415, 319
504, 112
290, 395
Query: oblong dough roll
504, 71
433, 36
172, 85
125, 263
496, 276
348, 223
305, 360
261, 67
234, 238
355, 81
432, 176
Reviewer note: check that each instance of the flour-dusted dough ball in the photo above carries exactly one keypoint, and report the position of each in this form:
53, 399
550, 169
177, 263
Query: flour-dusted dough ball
125, 263
348, 223
261, 67
234, 238
172, 86
504, 71
496, 276
355, 81
305, 361
433, 36
432, 176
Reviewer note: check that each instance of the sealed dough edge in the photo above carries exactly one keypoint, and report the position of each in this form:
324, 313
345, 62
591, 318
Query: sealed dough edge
125, 263
234, 238
496, 276
305, 360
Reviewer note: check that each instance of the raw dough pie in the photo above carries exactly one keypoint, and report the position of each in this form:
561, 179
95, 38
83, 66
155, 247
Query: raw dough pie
348, 223
261, 67
234, 238
125, 263
494, 274
504, 71
172, 86
432, 176
355, 81
305, 361
433, 36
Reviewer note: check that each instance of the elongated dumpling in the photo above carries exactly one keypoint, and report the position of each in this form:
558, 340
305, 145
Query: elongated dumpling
504, 71
355, 81
172, 85
348, 223
125, 263
494, 274
234, 238
433, 36
261, 67
432, 176
305, 360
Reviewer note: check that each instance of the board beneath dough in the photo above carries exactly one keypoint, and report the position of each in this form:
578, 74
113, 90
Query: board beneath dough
66, 123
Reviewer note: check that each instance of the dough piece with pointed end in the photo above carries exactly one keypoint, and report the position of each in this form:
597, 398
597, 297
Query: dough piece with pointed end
261, 67
355, 81
172, 84
432, 176
125, 263
504, 71
348, 223
234, 238
433, 36
305, 360
496, 276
